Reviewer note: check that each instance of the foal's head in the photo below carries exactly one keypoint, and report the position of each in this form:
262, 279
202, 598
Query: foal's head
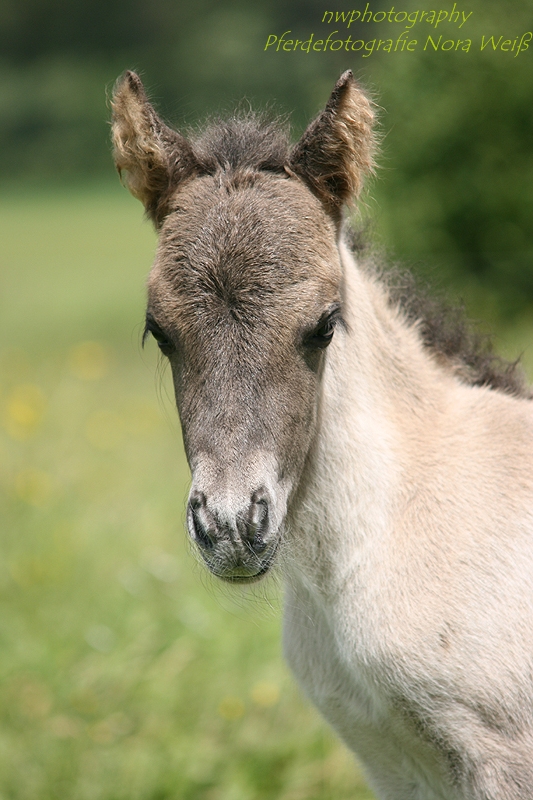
243, 299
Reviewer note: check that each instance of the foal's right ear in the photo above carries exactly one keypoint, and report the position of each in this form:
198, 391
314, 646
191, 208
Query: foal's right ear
155, 157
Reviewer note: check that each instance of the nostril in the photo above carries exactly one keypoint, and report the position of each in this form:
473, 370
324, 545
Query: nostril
201, 525
257, 521
200, 533
197, 500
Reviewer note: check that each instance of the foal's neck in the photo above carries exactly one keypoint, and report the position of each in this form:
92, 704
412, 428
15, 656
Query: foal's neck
381, 393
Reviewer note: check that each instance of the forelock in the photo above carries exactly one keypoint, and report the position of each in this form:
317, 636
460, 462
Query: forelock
248, 141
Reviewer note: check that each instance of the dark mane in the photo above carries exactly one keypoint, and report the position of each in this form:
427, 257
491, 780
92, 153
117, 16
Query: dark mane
253, 142
444, 328
447, 331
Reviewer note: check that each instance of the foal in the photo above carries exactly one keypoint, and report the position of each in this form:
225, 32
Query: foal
391, 478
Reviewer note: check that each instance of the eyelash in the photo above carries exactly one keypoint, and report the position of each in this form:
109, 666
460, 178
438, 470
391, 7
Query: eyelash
322, 334
164, 344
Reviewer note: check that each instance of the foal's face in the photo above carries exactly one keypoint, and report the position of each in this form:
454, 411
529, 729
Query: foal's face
244, 297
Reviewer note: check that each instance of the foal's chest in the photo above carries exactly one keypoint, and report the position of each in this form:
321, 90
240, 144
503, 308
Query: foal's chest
330, 668
345, 669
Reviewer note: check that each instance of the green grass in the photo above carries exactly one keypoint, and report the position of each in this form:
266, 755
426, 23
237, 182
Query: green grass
126, 673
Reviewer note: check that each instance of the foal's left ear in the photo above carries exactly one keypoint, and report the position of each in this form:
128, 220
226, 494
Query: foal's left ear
336, 151
154, 157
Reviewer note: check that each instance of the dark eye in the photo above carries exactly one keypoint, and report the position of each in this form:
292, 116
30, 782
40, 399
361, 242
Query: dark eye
163, 342
322, 334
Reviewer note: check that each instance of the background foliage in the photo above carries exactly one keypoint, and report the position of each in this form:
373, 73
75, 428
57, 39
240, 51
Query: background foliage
125, 672
456, 185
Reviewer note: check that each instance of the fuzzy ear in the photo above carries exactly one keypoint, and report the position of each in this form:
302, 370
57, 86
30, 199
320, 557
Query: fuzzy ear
336, 150
155, 157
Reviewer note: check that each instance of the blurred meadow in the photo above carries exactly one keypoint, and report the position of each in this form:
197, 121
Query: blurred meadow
126, 672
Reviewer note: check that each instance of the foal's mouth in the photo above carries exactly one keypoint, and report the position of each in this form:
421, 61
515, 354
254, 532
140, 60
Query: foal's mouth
235, 578
243, 573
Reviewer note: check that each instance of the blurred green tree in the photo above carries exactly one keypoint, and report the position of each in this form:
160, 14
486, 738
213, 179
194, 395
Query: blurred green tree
455, 189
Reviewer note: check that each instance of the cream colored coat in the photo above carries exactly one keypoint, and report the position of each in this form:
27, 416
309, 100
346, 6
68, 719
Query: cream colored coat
409, 605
